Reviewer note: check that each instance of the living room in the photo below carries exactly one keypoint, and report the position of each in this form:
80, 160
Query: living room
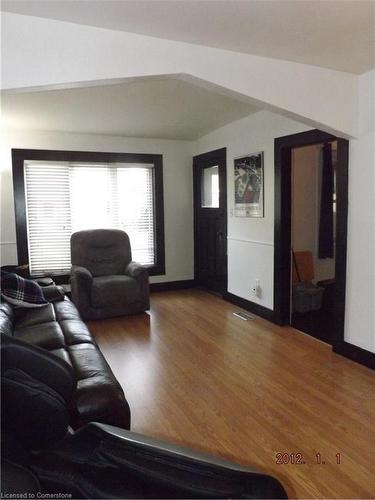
162, 95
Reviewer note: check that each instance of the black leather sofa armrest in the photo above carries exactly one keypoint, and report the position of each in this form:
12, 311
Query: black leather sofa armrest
53, 293
134, 269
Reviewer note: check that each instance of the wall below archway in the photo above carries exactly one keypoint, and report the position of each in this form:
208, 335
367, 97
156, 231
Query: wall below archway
177, 188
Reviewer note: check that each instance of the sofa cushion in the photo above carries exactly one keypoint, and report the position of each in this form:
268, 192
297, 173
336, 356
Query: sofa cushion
87, 361
63, 354
47, 335
75, 331
114, 290
51, 327
28, 317
57, 311
66, 310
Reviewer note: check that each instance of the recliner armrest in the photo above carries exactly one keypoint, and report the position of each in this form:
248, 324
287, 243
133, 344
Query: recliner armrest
81, 282
125, 437
81, 272
134, 269
163, 467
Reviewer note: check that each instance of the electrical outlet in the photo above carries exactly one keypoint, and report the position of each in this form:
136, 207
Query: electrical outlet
256, 288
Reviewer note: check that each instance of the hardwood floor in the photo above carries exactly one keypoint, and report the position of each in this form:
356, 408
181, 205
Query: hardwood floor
196, 375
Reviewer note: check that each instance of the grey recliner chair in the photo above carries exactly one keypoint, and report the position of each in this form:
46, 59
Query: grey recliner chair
105, 282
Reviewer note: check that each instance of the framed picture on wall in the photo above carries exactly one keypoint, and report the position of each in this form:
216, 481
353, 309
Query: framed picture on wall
249, 186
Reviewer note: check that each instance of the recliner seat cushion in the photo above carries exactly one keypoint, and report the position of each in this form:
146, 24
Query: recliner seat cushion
114, 290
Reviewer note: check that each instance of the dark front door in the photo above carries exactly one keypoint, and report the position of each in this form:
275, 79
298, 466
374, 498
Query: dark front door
210, 220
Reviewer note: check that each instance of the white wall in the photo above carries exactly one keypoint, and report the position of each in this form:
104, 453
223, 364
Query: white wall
39, 52
251, 240
177, 189
360, 287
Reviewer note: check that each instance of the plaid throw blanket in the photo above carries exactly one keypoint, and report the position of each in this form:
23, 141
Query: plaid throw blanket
20, 291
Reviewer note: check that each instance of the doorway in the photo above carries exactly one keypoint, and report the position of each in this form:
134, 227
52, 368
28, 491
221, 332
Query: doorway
313, 201
283, 256
210, 220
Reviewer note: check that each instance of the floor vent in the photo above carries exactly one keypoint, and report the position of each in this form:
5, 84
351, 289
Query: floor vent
244, 316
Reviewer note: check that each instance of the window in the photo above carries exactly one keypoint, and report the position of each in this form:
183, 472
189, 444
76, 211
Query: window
210, 187
62, 196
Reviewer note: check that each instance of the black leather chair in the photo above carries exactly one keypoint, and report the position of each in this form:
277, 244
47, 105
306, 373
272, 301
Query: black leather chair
40, 454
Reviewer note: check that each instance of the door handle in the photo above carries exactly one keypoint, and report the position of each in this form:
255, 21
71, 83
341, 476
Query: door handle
220, 235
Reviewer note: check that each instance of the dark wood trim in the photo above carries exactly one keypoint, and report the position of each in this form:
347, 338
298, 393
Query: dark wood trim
159, 267
282, 228
20, 207
342, 190
218, 156
257, 309
282, 254
356, 354
168, 286
20, 155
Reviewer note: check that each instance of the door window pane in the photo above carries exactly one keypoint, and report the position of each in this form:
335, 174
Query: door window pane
210, 187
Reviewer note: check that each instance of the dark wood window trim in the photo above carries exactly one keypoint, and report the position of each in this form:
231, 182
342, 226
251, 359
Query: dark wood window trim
282, 254
19, 156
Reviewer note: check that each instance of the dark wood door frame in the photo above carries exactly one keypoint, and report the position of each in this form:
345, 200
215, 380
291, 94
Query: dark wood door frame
218, 156
283, 204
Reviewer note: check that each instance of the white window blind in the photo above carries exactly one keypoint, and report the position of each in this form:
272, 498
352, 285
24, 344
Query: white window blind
62, 198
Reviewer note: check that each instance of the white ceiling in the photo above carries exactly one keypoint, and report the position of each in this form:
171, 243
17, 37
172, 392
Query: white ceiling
337, 34
165, 108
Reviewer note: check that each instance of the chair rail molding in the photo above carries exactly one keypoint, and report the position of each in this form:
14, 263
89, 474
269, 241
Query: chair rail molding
247, 240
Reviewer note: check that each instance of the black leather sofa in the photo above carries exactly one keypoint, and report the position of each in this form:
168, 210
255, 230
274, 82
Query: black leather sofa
40, 459
59, 329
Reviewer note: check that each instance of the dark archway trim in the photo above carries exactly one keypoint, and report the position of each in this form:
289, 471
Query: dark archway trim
283, 202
